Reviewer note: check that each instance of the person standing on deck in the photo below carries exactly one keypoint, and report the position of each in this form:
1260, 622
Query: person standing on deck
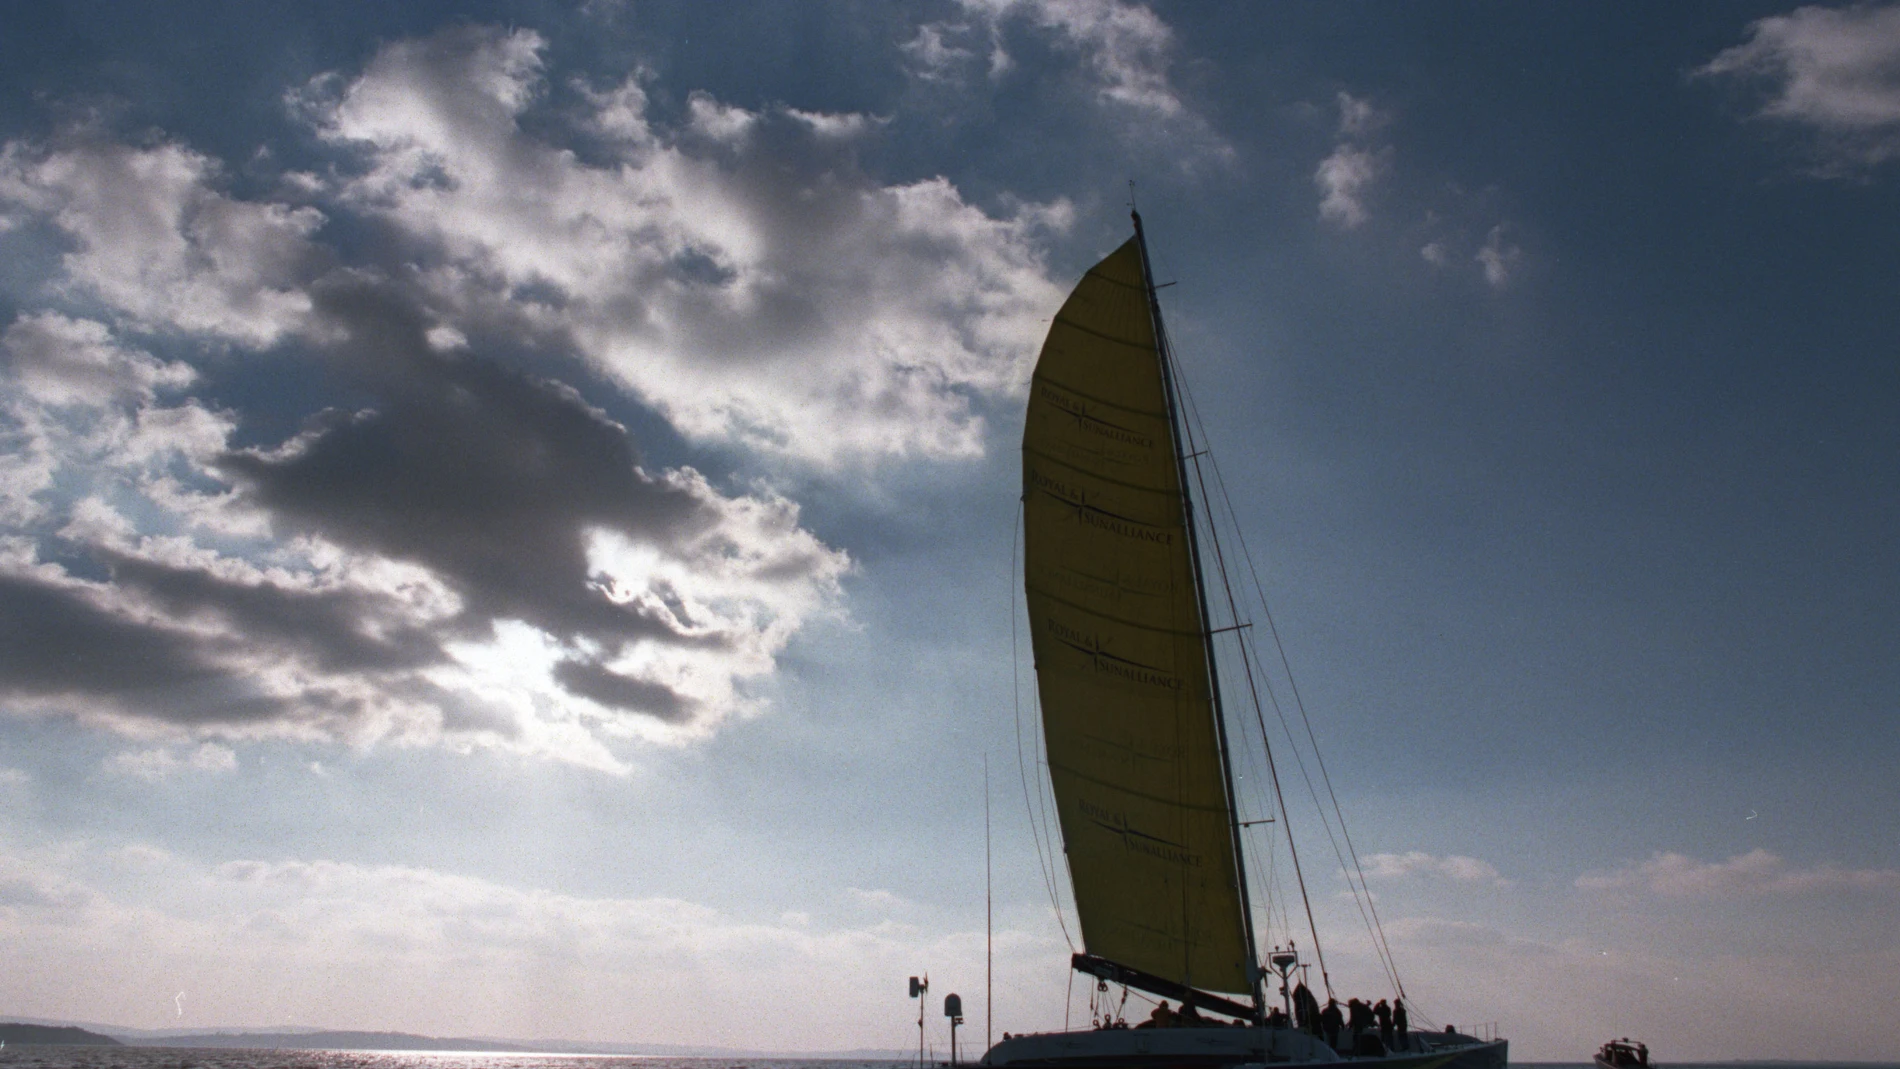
1383, 1014
1401, 1024
1332, 1022
1358, 1019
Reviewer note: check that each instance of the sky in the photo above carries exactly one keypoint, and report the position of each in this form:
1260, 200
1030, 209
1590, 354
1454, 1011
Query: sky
507, 510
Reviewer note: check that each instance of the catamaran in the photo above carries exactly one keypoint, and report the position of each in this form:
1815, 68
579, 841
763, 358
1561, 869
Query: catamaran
1136, 738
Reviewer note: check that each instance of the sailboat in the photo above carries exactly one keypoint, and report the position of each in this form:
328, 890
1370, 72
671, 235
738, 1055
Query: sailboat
1137, 744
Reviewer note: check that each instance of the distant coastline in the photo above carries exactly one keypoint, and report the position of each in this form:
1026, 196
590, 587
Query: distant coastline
332, 1040
53, 1036
41, 1031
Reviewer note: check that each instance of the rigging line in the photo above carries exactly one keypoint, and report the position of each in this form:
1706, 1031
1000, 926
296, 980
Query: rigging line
1016, 702
1068, 1000
1274, 888
1369, 909
1373, 930
1270, 877
1319, 757
1299, 874
1360, 894
1246, 664
1046, 799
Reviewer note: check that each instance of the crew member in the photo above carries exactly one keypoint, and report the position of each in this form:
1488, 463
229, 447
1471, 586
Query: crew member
1331, 1021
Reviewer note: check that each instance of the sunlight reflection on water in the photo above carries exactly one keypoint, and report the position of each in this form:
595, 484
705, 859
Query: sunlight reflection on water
51, 1057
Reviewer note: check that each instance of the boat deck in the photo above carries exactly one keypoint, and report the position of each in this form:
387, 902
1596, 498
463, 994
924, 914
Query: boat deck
1214, 1047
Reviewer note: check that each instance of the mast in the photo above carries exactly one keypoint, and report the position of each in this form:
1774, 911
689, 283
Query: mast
1254, 977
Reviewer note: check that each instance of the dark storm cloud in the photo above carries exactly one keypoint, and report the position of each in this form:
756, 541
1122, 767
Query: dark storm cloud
323, 627
491, 479
56, 642
610, 688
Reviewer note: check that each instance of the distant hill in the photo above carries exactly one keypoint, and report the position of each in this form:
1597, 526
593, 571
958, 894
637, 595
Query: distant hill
303, 1037
53, 1035
327, 1041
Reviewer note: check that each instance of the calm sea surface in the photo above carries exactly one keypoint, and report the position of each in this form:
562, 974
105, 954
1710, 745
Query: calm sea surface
57, 1057
49, 1057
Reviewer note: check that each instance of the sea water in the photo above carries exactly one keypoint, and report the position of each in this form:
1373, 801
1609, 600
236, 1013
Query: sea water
75, 1057
60, 1057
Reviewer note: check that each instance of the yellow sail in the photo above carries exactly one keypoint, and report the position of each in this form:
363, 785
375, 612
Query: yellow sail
1121, 651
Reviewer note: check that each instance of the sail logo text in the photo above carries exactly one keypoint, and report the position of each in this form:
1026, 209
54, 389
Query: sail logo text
1070, 494
1107, 663
1095, 424
1140, 842
1056, 488
1126, 528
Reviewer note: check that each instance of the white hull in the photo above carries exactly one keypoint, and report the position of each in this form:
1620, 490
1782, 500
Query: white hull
1213, 1048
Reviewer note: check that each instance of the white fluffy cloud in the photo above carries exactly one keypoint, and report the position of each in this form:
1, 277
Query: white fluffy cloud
481, 561
737, 273
476, 559
163, 763
1499, 256
1126, 46
1565, 992
1455, 867
473, 554
1757, 872
1346, 176
62, 362
158, 241
1832, 71
1124, 52
417, 949
1343, 179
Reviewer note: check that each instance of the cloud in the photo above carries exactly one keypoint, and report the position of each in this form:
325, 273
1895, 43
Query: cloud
1125, 53
156, 239
1756, 873
932, 56
496, 958
1454, 867
1127, 46
469, 552
1499, 256
159, 764
879, 899
1345, 177
1727, 997
738, 272
361, 579
1833, 72
60, 362
1358, 118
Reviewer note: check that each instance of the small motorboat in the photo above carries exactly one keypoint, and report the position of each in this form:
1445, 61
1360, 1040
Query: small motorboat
1623, 1054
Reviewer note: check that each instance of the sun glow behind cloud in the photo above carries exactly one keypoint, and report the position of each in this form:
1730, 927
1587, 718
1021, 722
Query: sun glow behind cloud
476, 557
385, 455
